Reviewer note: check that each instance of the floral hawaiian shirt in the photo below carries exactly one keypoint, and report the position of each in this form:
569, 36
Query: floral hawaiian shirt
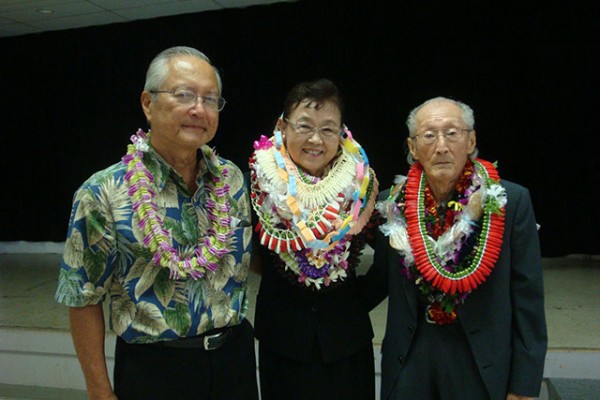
104, 255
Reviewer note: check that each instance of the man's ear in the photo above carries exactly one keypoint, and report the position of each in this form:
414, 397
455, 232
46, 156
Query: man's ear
411, 147
472, 145
146, 101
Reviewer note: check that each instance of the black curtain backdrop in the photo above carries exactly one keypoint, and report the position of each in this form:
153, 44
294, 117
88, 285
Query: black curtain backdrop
69, 100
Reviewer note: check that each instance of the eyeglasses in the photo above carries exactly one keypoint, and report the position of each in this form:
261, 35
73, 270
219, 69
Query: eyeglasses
188, 98
305, 129
451, 135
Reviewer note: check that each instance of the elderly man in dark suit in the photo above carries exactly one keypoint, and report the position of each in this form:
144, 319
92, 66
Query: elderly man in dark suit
459, 256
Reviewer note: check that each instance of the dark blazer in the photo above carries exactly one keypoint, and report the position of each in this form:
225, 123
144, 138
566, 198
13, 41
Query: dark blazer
289, 320
503, 318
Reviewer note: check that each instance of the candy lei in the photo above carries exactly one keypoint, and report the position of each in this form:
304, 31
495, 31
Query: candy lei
449, 267
309, 221
143, 193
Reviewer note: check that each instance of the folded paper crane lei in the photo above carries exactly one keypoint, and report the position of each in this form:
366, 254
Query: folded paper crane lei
142, 192
446, 256
307, 221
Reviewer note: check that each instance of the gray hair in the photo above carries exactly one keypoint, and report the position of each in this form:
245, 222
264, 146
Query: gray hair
468, 118
159, 69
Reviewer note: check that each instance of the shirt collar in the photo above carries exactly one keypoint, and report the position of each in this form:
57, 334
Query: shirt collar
161, 170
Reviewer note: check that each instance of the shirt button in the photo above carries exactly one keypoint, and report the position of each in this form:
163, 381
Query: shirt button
315, 308
411, 328
401, 359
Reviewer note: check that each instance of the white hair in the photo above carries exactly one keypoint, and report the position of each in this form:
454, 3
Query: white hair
467, 115
159, 69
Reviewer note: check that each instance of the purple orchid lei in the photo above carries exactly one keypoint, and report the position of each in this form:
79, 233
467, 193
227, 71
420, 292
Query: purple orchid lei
311, 267
142, 193
318, 267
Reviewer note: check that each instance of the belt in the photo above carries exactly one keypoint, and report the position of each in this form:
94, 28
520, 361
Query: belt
207, 341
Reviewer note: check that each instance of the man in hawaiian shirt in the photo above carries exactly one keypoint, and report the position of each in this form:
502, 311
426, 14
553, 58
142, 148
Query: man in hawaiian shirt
164, 234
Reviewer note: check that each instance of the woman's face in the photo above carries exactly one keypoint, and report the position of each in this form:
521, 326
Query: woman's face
311, 135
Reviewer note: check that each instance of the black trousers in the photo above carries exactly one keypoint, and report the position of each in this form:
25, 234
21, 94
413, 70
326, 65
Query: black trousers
439, 366
153, 372
351, 378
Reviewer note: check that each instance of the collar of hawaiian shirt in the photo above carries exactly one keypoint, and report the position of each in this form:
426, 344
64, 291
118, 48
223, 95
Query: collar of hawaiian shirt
163, 170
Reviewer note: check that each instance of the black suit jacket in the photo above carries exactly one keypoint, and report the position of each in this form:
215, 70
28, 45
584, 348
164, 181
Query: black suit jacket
503, 319
290, 320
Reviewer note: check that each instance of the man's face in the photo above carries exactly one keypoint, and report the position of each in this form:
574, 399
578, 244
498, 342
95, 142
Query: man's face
443, 161
177, 126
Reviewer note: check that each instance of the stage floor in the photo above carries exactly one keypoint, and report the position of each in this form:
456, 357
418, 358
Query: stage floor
28, 282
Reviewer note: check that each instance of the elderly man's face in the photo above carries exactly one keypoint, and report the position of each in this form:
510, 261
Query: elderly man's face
175, 126
443, 161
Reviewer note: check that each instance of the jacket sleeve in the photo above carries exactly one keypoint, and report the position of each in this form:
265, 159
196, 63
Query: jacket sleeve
529, 333
373, 285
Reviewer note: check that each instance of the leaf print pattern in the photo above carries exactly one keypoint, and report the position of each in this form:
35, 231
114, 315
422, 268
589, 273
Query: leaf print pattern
149, 319
122, 309
179, 319
119, 207
93, 263
205, 324
220, 304
247, 237
186, 231
73, 253
167, 198
104, 256
195, 293
137, 269
164, 288
241, 270
218, 279
236, 181
93, 294
69, 282
146, 281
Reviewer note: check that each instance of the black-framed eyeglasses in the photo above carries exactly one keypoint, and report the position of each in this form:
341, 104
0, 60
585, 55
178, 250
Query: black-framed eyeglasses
451, 135
306, 129
188, 98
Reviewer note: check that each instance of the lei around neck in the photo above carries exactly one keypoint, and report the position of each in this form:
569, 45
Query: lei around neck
447, 268
307, 221
158, 240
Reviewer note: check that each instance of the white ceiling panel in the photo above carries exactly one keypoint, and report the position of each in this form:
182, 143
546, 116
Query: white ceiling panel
34, 4
244, 3
29, 14
20, 17
119, 4
16, 29
77, 21
169, 8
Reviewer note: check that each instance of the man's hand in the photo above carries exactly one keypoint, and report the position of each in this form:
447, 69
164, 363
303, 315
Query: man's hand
512, 396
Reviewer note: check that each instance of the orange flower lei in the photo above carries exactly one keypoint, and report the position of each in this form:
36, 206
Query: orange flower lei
436, 265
